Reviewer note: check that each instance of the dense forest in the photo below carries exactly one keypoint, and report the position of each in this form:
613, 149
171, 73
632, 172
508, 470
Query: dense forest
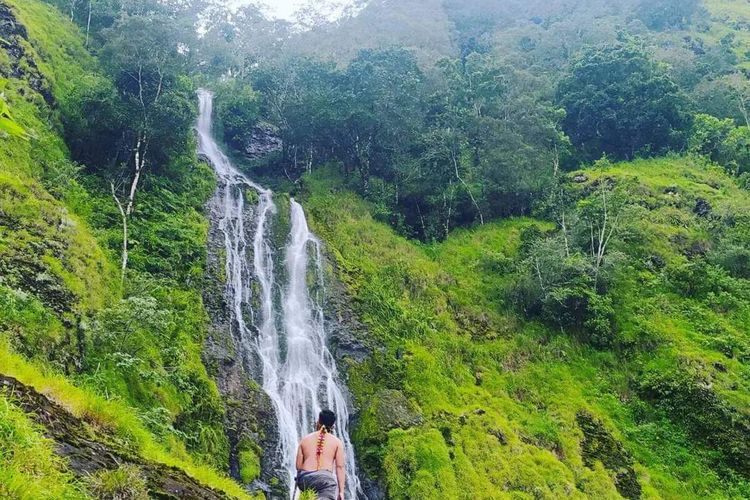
533, 220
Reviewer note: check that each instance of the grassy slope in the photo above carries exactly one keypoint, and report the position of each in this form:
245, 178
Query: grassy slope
56, 274
28, 466
730, 17
490, 400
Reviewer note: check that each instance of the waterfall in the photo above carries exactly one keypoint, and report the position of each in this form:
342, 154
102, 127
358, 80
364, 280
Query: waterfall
279, 324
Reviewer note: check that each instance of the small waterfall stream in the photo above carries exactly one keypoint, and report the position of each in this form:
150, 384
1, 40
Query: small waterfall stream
279, 324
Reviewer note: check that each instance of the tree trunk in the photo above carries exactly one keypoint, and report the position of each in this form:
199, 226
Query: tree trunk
124, 217
126, 210
88, 24
463, 183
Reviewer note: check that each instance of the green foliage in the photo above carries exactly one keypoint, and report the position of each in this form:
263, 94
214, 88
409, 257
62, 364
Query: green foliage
63, 305
664, 14
113, 416
29, 467
563, 289
599, 444
249, 466
463, 372
238, 112
621, 103
308, 495
419, 467
123, 483
708, 135
478, 139
31, 328
684, 393
8, 126
722, 142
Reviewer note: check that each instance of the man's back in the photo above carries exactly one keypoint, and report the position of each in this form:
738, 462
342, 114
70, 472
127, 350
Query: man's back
331, 447
316, 456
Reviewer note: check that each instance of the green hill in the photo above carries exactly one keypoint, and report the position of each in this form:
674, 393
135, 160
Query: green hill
535, 217
61, 296
466, 396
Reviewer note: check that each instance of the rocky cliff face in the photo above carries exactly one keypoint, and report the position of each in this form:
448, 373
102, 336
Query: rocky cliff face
250, 417
262, 142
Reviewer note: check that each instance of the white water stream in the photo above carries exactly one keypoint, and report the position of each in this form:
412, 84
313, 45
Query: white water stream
285, 330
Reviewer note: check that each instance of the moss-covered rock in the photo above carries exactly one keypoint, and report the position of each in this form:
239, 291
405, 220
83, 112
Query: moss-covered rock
600, 445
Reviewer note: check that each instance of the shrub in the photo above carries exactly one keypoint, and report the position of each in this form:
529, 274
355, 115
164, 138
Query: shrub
686, 395
563, 290
123, 483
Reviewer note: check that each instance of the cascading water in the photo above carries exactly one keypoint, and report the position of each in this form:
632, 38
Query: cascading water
298, 371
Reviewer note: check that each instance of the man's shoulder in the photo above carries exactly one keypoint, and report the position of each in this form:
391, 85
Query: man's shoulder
313, 436
310, 437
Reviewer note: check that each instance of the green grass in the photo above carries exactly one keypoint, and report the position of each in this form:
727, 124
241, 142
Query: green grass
136, 369
490, 399
111, 416
729, 17
29, 468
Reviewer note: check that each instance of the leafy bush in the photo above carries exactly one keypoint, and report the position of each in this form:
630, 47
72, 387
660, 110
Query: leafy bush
686, 395
722, 142
561, 291
238, 112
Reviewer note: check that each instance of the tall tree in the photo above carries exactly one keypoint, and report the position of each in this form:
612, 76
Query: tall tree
146, 56
619, 102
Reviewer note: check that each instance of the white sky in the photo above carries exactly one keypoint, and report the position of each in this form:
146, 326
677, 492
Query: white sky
285, 9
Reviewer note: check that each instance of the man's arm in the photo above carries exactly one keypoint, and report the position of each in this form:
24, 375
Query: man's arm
300, 458
341, 469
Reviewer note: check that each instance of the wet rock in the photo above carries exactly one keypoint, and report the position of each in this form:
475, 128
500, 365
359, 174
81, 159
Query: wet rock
390, 409
22, 65
348, 336
250, 416
702, 208
263, 140
500, 436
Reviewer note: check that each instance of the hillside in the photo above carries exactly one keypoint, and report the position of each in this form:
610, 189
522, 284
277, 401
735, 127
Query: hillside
467, 397
60, 291
506, 243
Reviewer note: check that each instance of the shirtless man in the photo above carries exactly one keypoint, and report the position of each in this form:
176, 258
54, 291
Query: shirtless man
316, 456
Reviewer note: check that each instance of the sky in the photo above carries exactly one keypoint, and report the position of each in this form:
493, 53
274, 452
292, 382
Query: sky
285, 9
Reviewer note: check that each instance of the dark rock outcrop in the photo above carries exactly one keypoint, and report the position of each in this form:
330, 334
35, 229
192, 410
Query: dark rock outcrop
14, 39
600, 445
262, 141
250, 415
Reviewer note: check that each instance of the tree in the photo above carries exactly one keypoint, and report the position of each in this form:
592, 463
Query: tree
722, 142
667, 14
708, 135
383, 117
238, 111
619, 102
145, 57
